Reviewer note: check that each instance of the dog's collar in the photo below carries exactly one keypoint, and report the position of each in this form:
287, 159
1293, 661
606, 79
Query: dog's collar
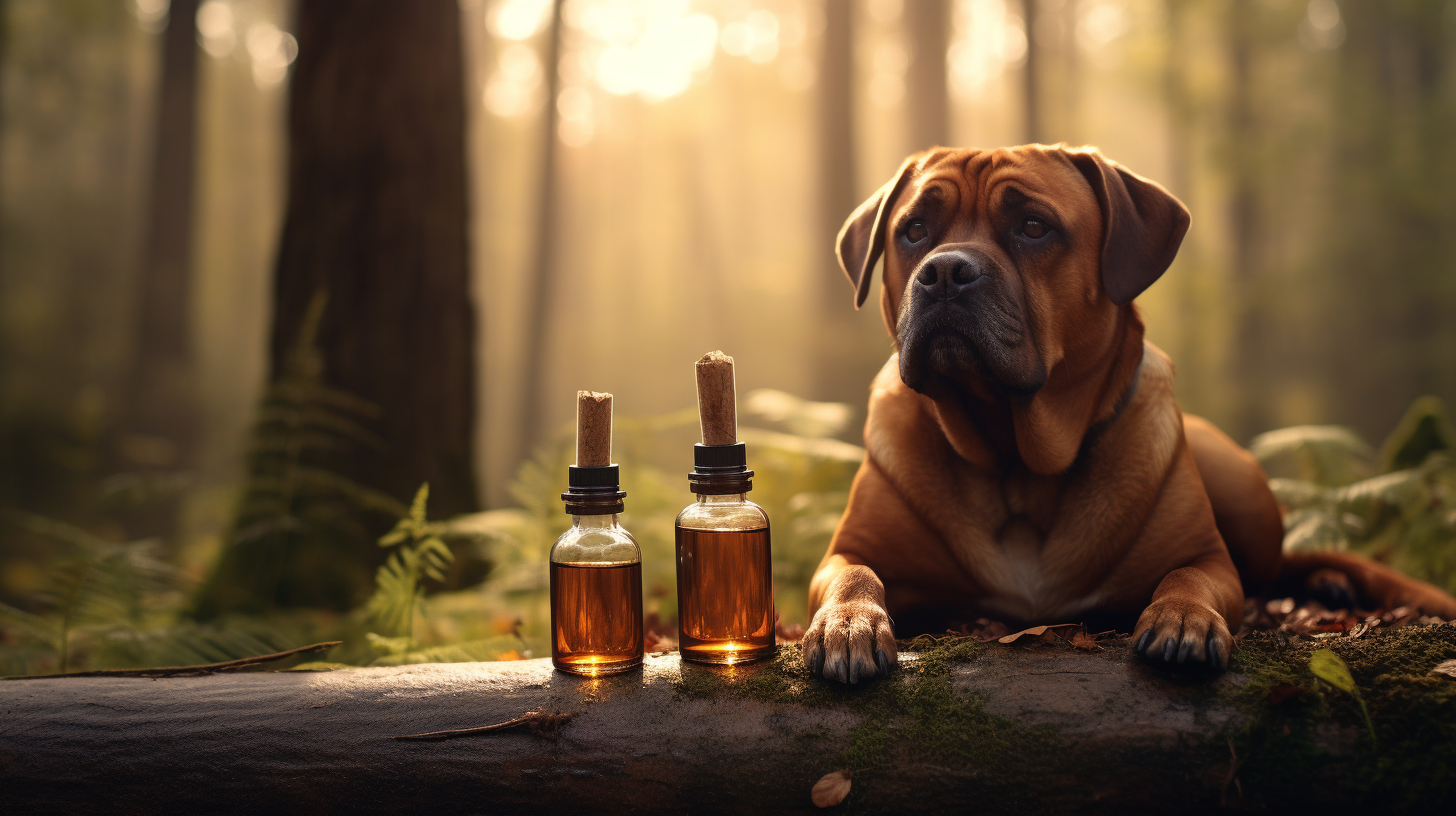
1123, 400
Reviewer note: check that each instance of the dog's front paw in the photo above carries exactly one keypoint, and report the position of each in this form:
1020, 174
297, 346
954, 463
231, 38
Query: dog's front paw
1175, 632
850, 641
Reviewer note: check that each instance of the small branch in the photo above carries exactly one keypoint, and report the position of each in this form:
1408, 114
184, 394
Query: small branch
187, 671
544, 724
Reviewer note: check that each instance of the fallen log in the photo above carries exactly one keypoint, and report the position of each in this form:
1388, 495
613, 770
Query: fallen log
960, 726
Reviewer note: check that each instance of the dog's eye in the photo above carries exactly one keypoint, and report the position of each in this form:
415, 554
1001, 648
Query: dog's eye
1033, 228
916, 231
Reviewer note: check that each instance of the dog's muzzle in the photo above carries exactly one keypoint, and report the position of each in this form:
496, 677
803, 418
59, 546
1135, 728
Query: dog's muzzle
947, 275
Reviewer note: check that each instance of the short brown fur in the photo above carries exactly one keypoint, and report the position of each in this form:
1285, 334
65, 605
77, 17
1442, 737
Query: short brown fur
1039, 469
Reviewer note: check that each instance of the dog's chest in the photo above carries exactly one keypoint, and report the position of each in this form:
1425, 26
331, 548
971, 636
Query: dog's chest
1005, 548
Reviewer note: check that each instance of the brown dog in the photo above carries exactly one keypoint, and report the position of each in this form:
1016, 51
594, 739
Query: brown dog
1025, 458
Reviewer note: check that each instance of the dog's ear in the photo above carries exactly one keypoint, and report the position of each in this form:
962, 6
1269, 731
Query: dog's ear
1142, 225
862, 238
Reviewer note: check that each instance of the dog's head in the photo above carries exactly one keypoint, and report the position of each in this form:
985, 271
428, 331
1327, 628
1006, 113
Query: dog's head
1000, 265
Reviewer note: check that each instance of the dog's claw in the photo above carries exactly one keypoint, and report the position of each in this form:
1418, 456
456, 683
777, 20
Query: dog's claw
1179, 635
883, 661
814, 660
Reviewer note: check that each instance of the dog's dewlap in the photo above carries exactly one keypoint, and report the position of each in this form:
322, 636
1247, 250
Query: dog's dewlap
717, 401
593, 429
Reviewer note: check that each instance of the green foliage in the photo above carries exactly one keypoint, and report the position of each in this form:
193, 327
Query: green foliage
418, 554
293, 540
1421, 432
1405, 516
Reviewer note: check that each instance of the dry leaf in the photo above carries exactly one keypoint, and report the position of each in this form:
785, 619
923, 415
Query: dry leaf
831, 789
1034, 631
1446, 667
1086, 642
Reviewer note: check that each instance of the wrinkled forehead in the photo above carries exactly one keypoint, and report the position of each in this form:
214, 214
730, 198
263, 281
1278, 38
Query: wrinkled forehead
971, 181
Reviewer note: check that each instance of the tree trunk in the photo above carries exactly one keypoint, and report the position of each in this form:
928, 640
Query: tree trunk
836, 377
1034, 729
926, 100
376, 220
1250, 336
543, 278
160, 401
1031, 76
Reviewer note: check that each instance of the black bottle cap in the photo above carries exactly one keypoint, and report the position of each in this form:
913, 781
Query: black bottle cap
593, 491
720, 469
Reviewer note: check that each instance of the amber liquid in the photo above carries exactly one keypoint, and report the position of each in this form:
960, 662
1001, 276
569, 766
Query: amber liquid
725, 604
596, 617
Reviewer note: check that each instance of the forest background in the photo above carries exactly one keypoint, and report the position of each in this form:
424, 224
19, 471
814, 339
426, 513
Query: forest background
267, 267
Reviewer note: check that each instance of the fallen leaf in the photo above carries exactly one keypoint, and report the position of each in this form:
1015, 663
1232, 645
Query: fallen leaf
1035, 631
831, 789
1084, 641
1446, 667
511, 655
1328, 667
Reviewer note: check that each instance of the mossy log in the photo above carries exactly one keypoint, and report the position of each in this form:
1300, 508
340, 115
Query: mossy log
959, 727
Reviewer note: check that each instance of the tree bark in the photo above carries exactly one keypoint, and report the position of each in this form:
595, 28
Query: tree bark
1034, 729
376, 219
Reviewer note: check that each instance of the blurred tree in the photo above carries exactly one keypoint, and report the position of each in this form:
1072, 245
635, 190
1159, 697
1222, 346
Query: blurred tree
1031, 76
543, 281
927, 102
160, 400
837, 199
376, 219
1250, 339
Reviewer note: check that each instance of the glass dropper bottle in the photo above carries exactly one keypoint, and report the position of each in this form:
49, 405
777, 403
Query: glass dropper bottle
725, 601
596, 566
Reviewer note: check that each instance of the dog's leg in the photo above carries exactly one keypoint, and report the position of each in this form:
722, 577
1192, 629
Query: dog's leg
1371, 581
1187, 622
850, 638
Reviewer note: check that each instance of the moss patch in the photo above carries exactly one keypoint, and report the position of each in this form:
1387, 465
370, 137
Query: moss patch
1300, 728
916, 714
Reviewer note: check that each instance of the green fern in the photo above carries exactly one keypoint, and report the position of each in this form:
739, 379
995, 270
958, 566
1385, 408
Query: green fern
418, 553
295, 536
1405, 515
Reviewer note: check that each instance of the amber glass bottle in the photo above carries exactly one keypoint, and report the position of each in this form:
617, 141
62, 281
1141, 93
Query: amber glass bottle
725, 602
596, 580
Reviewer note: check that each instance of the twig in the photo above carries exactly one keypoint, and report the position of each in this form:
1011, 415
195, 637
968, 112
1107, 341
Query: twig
544, 724
1235, 763
187, 671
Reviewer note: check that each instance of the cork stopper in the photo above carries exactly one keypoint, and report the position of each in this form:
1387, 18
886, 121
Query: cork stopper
593, 429
717, 401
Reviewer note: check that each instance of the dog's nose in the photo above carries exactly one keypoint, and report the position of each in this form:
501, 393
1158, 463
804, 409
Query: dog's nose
947, 274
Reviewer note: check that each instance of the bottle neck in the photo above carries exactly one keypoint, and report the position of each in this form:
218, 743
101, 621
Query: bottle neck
596, 522
722, 498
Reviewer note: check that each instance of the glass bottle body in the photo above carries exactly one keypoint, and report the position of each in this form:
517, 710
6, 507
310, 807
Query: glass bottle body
725, 602
596, 598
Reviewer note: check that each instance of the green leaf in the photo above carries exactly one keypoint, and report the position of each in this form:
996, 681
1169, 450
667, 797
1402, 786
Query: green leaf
1328, 667
1422, 431
417, 507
